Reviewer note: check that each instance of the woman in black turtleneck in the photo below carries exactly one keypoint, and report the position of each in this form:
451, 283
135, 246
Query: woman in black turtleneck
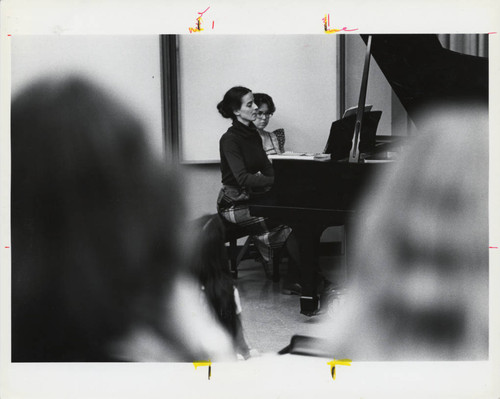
246, 170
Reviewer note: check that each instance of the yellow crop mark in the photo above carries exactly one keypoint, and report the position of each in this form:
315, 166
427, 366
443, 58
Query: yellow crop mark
340, 362
199, 20
204, 363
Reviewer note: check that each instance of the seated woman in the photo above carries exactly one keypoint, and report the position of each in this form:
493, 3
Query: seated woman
246, 171
273, 142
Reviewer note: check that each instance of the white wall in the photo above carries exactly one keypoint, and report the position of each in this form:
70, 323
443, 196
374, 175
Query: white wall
298, 71
127, 66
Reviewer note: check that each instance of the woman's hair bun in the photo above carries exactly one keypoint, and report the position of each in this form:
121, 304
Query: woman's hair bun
224, 111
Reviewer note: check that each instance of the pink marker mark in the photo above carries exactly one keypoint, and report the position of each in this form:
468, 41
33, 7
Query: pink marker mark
203, 12
326, 25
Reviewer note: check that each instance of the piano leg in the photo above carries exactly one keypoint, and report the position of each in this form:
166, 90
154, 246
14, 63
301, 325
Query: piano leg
308, 238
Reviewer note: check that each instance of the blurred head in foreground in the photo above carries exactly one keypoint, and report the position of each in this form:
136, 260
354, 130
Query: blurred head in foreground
420, 275
95, 236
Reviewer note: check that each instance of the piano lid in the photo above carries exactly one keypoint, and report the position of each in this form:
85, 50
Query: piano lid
420, 71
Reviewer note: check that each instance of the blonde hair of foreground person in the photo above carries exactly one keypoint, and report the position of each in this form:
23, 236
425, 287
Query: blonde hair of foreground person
420, 274
96, 247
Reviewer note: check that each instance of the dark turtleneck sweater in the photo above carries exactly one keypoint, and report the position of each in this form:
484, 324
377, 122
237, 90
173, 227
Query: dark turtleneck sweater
242, 157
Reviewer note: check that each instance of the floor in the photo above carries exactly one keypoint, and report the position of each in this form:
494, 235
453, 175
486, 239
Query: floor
271, 318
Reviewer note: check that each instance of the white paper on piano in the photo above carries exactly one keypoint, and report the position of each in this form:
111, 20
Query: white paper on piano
306, 156
378, 160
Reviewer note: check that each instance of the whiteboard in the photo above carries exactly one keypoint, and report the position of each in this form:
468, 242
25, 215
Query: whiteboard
298, 71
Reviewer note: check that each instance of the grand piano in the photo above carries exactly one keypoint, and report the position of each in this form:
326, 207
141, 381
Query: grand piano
310, 196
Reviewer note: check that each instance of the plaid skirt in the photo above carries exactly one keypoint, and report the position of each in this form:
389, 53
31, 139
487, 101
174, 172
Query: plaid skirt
267, 234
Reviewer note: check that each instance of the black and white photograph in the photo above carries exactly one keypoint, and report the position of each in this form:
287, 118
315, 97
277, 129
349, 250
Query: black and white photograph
270, 213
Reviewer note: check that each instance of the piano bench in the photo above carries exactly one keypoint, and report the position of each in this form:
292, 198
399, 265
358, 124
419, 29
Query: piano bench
232, 233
